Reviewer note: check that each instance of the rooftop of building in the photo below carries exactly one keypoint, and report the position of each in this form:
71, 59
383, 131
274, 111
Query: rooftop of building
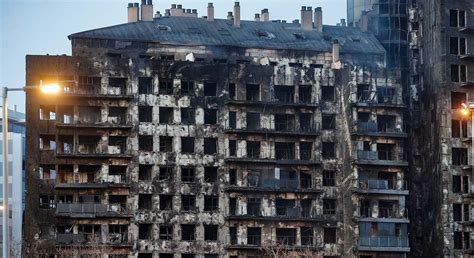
191, 31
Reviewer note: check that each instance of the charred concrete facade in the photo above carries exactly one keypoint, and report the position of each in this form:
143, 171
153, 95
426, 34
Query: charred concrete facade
204, 137
441, 43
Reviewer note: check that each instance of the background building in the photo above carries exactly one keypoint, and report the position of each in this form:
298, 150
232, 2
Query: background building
206, 137
16, 151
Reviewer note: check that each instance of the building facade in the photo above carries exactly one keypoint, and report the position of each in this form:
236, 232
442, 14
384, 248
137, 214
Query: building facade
16, 176
441, 42
204, 137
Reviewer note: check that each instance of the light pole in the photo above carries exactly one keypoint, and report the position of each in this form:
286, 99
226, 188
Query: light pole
49, 88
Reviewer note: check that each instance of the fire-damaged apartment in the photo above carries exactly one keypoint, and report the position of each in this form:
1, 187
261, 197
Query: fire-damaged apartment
178, 136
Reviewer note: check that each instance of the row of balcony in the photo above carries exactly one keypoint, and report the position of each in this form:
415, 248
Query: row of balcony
378, 186
381, 157
281, 213
113, 239
91, 210
381, 243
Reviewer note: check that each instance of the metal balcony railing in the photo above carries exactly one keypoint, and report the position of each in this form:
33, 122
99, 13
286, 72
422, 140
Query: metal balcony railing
118, 238
367, 127
90, 208
285, 154
379, 155
286, 240
384, 213
384, 241
381, 184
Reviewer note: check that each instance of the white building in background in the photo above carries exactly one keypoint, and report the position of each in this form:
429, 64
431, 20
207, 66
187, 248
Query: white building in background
16, 151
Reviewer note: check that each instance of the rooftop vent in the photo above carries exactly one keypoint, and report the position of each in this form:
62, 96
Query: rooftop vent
265, 34
163, 27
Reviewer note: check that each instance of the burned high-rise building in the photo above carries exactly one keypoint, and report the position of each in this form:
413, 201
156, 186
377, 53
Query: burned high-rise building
178, 136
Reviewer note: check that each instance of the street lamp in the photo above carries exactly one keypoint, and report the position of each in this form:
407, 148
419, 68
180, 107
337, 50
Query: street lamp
47, 89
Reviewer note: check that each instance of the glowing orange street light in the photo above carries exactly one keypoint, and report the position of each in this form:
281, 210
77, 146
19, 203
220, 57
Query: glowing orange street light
464, 110
50, 88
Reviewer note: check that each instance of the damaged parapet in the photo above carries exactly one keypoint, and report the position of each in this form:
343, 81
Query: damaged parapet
147, 10
210, 12
265, 16
318, 19
237, 15
132, 11
306, 18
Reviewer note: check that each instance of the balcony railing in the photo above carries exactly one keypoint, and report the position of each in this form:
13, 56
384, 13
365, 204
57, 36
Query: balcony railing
282, 213
96, 209
374, 184
379, 155
83, 238
384, 213
384, 241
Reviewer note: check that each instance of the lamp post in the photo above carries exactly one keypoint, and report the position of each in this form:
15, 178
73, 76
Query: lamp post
49, 88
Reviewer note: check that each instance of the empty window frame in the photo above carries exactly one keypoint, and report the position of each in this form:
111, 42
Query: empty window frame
210, 116
254, 236
188, 202
461, 184
232, 176
145, 85
329, 206
211, 232
166, 173
187, 88
46, 172
285, 94
253, 120
284, 150
145, 231
252, 92
46, 201
458, 73
232, 120
145, 201
329, 150
457, 18
145, 114
166, 232
457, 46
210, 146
166, 115
458, 128
166, 144
210, 174
47, 112
253, 149
457, 99
187, 145
188, 232
329, 178
145, 142
232, 148
304, 93
306, 236
188, 116
166, 202
210, 89
232, 92
459, 156
328, 122
165, 87
188, 174
306, 150
144, 172
211, 203
327, 93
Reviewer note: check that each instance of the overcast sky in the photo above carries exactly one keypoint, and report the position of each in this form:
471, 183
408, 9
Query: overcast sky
41, 26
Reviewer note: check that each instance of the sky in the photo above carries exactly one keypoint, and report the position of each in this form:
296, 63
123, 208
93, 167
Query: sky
40, 27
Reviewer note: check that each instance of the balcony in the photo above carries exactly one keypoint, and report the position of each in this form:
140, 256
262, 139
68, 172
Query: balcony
88, 91
310, 130
372, 129
270, 104
384, 244
90, 210
80, 239
93, 150
113, 181
282, 214
274, 185
374, 186
382, 100
385, 214
380, 158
